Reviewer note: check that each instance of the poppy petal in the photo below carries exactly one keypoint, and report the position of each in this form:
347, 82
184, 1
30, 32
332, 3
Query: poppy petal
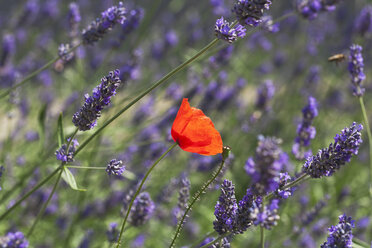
195, 132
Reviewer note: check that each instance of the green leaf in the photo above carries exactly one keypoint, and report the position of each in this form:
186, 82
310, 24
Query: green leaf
41, 118
70, 179
61, 136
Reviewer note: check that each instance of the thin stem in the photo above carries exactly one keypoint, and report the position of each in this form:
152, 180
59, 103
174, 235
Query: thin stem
86, 167
35, 73
40, 214
262, 239
195, 198
216, 240
366, 122
360, 242
29, 193
139, 190
143, 94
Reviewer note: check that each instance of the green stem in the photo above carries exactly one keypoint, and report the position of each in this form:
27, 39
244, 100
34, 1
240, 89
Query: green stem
143, 94
86, 167
262, 239
139, 190
34, 73
195, 198
366, 122
29, 193
360, 242
40, 214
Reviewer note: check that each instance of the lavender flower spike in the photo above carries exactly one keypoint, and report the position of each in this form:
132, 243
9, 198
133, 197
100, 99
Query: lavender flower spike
16, 240
330, 159
142, 210
305, 131
115, 167
98, 28
341, 234
225, 32
86, 117
225, 209
250, 12
356, 67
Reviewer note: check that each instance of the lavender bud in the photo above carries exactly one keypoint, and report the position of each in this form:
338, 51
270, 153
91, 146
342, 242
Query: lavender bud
356, 67
115, 167
112, 232
363, 23
224, 32
86, 117
142, 209
8, 48
64, 53
341, 234
98, 28
14, 240
184, 194
65, 156
330, 159
250, 12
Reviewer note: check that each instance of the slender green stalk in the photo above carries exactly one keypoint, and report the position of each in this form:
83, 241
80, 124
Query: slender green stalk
366, 122
86, 167
34, 73
299, 180
197, 196
40, 214
139, 190
29, 193
147, 91
262, 237
360, 242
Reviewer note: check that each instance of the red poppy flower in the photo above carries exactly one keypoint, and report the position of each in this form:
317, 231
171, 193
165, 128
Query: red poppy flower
195, 132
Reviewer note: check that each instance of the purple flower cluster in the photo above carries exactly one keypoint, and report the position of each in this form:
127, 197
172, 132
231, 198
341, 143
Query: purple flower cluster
112, 232
284, 178
225, 32
65, 156
86, 117
98, 28
268, 25
142, 209
64, 53
133, 20
13, 240
265, 167
8, 48
310, 8
328, 160
226, 208
265, 92
305, 131
363, 24
184, 194
250, 12
356, 67
74, 19
340, 235
115, 167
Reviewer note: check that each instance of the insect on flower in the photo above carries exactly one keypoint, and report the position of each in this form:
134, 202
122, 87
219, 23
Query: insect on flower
194, 131
337, 58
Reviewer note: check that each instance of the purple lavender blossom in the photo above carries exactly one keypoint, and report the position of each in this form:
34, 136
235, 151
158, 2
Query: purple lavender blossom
225, 32
266, 165
112, 232
305, 131
363, 23
14, 240
142, 209
115, 167
8, 48
268, 25
64, 53
184, 195
98, 28
330, 159
356, 67
340, 235
265, 92
65, 156
225, 209
86, 117
132, 22
74, 19
250, 12
311, 8
284, 178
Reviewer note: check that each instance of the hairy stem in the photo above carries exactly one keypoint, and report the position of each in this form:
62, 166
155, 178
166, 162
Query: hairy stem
139, 190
